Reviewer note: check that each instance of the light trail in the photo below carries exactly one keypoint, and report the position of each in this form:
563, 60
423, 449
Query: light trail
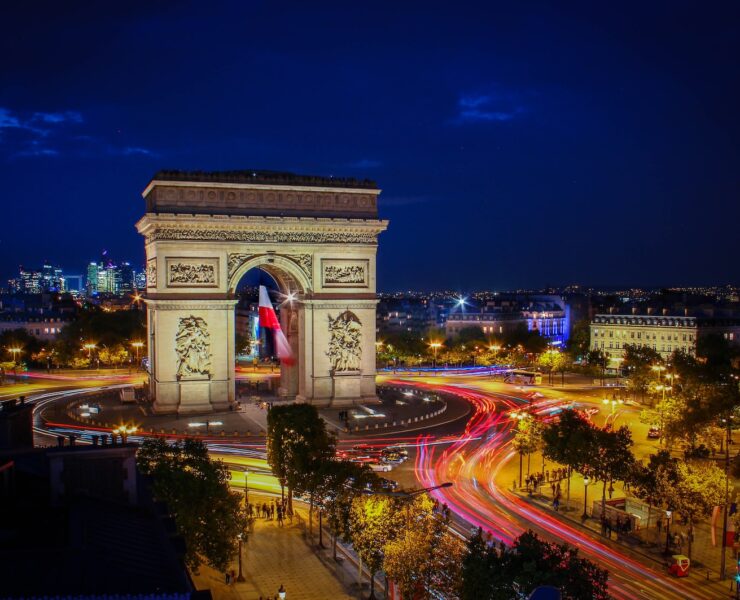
476, 498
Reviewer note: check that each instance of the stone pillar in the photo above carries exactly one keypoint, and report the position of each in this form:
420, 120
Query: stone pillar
339, 338
192, 344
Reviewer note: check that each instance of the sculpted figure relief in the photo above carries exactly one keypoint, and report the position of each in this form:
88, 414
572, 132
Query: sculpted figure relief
192, 273
193, 347
345, 274
345, 349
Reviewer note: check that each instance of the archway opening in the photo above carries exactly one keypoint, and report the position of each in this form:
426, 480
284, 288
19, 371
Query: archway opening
259, 370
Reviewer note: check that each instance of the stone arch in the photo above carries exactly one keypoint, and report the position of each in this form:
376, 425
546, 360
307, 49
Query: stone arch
288, 274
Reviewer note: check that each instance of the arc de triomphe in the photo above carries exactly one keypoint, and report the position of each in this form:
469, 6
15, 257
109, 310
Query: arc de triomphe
318, 239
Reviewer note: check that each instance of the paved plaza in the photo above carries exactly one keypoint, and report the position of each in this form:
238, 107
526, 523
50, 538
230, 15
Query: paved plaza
275, 556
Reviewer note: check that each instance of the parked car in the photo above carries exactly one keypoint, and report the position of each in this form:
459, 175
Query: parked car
653, 433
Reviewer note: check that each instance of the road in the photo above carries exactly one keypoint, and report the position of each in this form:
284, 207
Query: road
472, 454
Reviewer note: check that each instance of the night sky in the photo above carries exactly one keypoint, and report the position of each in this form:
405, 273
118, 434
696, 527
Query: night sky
516, 146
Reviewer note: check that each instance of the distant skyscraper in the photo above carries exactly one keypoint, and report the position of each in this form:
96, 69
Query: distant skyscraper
126, 275
36, 281
140, 279
92, 279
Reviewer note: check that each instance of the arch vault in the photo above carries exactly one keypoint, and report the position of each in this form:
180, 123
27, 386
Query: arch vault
317, 237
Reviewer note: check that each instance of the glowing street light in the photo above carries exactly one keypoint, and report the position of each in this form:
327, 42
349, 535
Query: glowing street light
138, 346
435, 346
15, 351
90, 348
461, 302
124, 431
586, 481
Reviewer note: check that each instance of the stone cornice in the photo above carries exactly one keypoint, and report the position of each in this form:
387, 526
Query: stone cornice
310, 230
254, 186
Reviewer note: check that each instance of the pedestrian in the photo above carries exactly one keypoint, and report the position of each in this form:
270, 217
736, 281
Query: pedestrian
513, 487
272, 511
280, 515
227, 578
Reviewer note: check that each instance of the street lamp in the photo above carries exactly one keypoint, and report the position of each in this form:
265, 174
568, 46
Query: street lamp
586, 481
240, 577
15, 352
124, 431
435, 346
246, 487
137, 346
668, 514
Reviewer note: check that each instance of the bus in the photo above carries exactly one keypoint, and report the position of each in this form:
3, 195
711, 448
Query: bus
523, 377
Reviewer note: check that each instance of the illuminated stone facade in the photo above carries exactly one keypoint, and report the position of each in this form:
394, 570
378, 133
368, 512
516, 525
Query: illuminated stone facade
316, 237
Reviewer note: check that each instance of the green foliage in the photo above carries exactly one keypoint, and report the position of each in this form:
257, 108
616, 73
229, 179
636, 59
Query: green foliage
373, 522
580, 339
197, 494
478, 568
531, 562
638, 363
602, 454
104, 329
423, 555
18, 338
297, 444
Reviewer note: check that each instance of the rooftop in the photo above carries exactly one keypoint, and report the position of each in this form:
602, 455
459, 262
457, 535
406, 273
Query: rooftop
262, 177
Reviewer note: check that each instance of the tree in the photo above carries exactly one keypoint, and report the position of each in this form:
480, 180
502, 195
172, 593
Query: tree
531, 562
342, 482
297, 443
600, 359
697, 490
373, 522
527, 439
424, 557
207, 513
639, 362
568, 441
580, 339
105, 329
649, 482
553, 361
477, 573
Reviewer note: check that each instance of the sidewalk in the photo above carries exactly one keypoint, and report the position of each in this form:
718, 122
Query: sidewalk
646, 545
275, 556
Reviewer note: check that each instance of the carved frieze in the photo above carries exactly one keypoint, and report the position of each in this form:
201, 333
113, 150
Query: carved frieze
235, 235
151, 273
304, 261
345, 273
345, 342
193, 348
192, 272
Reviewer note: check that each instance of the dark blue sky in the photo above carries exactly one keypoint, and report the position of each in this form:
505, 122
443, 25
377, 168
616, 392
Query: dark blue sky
517, 144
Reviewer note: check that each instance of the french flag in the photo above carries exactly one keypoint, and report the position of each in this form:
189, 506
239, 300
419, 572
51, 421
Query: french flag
269, 320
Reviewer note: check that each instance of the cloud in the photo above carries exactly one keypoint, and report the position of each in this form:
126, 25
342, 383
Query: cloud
38, 152
55, 133
69, 116
8, 120
135, 151
493, 107
364, 163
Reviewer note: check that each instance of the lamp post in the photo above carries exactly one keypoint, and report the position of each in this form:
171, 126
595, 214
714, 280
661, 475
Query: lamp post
15, 352
246, 487
586, 481
435, 346
668, 515
240, 577
137, 346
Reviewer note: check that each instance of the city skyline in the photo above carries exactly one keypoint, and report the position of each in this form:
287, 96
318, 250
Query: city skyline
600, 136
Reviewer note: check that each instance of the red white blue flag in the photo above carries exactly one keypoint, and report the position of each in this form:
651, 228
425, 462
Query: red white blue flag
269, 320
